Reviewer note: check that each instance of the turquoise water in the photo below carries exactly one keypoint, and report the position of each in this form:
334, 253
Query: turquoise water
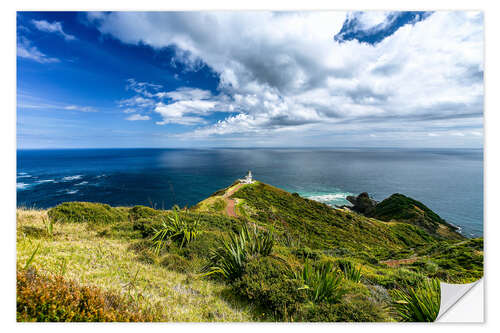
449, 181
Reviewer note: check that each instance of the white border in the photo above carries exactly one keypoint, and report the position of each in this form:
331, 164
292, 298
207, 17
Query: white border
8, 164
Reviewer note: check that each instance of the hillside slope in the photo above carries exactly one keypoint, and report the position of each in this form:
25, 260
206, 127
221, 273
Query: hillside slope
115, 250
399, 207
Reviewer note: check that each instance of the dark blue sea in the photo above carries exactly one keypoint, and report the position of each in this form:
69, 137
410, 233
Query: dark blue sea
449, 181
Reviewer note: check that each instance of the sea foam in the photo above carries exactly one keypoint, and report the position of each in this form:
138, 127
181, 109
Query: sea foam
22, 186
45, 181
330, 198
69, 178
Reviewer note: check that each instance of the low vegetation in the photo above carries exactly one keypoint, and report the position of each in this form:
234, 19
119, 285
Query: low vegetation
53, 298
286, 258
420, 304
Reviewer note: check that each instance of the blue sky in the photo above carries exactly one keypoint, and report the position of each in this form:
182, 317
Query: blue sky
245, 79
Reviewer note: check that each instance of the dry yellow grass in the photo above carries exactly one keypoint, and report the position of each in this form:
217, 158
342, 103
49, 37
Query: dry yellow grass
79, 253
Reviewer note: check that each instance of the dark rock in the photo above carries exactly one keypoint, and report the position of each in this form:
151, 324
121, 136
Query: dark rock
362, 203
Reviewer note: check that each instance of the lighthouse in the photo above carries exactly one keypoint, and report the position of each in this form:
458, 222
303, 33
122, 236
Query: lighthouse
248, 178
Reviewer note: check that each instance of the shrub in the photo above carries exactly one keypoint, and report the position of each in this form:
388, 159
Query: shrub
307, 253
357, 309
89, 212
146, 226
397, 278
229, 259
175, 262
201, 246
176, 229
322, 283
52, 298
270, 283
418, 304
350, 271
142, 212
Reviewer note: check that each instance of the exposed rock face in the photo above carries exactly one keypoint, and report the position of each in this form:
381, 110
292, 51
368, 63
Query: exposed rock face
362, 203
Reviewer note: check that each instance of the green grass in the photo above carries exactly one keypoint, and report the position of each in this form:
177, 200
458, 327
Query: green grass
111, 264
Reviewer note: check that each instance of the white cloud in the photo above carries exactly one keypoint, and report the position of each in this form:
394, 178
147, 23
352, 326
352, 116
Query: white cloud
186, 106
284, 72
136, 101
136, 117
142, 88
28, 51
80, 108
54, 27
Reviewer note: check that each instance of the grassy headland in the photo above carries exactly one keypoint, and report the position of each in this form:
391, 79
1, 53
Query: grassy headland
283, 258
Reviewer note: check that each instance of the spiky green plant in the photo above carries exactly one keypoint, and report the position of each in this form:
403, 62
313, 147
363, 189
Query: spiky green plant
30, 260
49, 226
176, 229
351, 272
229, 259
323, 282
419, 304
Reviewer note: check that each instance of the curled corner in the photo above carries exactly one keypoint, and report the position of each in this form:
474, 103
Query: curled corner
451, 294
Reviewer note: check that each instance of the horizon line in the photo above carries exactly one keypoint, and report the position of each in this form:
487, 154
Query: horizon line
243, 147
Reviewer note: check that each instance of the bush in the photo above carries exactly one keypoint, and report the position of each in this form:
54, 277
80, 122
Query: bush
142, 212
307, 253
94, 213
175, 262
146, 226
357, 309
230, 258
177, 229
351, 272
270, 283
52, 298
419, 304
201, 246
397, 278
322, 282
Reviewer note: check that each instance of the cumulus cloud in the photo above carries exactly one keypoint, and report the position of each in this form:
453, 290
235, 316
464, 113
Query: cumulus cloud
136, 117
54, 27
25, 49
183, 106
285, 71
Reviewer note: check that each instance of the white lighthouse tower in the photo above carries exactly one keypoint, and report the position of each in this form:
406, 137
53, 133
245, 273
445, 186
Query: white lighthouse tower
248, 178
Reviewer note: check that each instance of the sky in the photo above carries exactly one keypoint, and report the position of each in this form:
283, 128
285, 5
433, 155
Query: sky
249, 79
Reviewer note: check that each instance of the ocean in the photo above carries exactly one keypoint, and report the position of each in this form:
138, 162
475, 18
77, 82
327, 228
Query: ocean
449, 181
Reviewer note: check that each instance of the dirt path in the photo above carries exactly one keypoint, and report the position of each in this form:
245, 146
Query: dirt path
231, 202
395, 263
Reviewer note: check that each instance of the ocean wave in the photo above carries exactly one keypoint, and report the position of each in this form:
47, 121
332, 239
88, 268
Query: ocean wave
45, 181
82, 183
22, 186
69, 178
71, 191
329, 198
23, 175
